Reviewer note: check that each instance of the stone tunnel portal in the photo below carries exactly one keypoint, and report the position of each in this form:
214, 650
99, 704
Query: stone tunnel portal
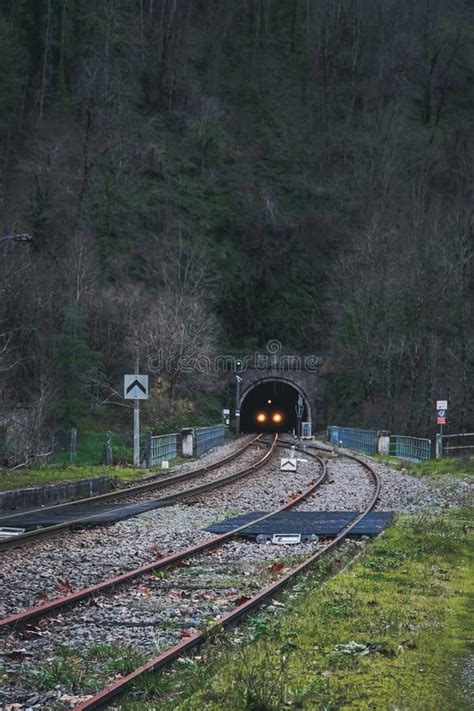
270, 405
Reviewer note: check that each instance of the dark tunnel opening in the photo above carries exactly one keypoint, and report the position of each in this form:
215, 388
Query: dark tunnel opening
271, 407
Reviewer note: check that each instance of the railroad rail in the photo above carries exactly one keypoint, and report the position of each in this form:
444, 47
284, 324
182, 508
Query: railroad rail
119, 686
171, 559
195, 638
47, 531
145, 486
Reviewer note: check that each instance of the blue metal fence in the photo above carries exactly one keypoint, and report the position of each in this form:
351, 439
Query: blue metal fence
208, 437
351, 438
413, 449
163, 448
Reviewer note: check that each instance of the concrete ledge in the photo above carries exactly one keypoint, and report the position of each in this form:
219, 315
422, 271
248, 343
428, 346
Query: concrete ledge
55, 493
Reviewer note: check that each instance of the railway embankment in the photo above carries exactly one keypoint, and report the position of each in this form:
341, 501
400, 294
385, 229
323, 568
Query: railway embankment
389, 631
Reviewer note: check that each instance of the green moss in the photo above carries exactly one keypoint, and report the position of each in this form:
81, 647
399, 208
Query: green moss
390, 632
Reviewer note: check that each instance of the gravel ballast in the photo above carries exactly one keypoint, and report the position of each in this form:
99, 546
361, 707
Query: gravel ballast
157, 610
82, 558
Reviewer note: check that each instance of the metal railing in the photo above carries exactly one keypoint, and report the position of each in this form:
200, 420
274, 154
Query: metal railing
208, 437
351, 438
64, 447
162, 448
413, 449
456, 444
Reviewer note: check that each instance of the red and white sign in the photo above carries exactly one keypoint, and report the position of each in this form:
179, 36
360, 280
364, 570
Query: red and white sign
441, 410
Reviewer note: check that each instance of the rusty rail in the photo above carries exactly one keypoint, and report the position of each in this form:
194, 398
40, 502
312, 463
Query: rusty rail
57, 603
147, 485
46, 531
98, 700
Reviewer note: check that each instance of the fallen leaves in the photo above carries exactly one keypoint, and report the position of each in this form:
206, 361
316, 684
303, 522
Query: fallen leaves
16, 655
31, 632
64, 587
241, 600
276, 567
187, 633
277, 603
179, 564
155, 551
176, 594
294, 496
74, 699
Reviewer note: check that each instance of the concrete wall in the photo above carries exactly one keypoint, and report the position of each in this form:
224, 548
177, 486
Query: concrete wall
55, 493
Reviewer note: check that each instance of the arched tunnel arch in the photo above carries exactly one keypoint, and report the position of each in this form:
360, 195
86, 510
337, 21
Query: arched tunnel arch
272, 396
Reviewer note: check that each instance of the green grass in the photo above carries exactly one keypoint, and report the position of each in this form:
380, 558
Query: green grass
56, 474
76, 668
62, 473
459, 467
90, 449
390, 632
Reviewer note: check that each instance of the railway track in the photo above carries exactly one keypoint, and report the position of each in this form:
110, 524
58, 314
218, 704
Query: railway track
164, 562
241, 609
134, 493
162, 660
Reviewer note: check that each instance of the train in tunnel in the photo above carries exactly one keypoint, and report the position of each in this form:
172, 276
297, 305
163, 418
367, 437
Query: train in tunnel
272, 406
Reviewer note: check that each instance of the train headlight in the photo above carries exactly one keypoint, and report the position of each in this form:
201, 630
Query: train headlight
261, 417
277, 417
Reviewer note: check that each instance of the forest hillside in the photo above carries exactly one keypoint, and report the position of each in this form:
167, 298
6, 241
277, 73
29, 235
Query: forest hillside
201, 176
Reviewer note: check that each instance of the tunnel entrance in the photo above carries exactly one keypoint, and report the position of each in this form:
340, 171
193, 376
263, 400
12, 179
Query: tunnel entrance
270, 406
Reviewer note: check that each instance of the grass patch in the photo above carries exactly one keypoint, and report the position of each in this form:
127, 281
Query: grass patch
459, 467
390, 632
59, 474
82, 670
90, 449
62, 473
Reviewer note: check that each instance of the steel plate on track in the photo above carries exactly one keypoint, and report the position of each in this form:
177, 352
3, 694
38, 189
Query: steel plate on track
90, 513
320, 523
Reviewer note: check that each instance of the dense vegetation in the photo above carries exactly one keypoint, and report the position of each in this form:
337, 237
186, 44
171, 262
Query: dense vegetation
203, 175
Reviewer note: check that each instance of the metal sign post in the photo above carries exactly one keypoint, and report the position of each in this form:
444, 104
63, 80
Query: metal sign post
237, 403
299, 415
136, 433
135, 387
441, 411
